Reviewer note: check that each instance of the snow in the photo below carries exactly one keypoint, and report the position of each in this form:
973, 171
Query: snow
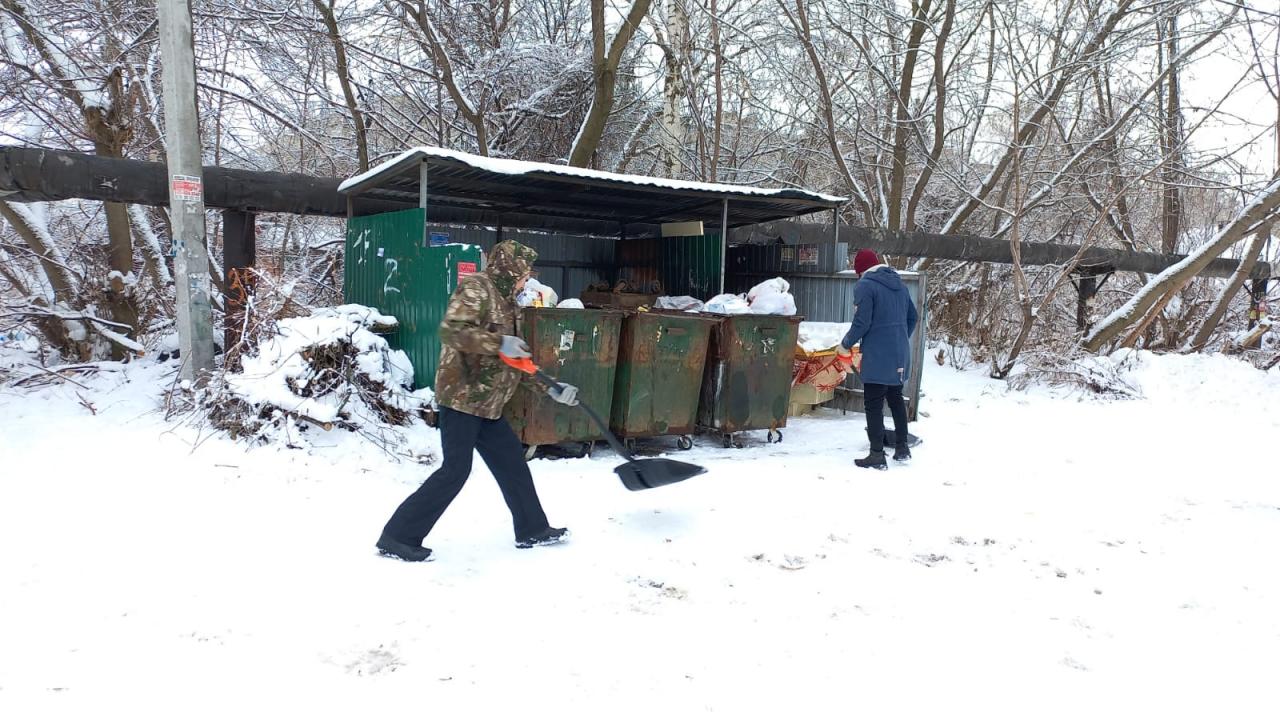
819, 336
1046, 554
521, 167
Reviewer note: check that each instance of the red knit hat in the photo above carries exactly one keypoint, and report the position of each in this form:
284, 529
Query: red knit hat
864, 261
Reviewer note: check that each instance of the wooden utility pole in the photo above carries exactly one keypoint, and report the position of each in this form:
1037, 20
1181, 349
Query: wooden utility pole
186, 188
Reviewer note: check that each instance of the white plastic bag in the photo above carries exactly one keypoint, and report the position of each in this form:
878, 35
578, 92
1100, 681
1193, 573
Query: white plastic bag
768, 287
535, 294
774, 304
571, 304
728, 304
679, 302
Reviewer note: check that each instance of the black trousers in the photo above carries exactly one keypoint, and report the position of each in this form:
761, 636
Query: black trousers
460, 434
873, 399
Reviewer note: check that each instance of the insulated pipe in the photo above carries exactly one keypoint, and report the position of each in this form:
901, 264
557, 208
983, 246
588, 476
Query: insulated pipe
978, 249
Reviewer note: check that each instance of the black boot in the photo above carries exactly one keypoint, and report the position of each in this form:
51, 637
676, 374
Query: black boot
875, 459
902, 453
391, 547
550, 536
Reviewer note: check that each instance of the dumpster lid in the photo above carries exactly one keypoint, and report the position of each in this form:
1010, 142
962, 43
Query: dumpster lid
467, 188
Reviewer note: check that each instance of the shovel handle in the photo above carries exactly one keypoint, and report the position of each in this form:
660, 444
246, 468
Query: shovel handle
526, 366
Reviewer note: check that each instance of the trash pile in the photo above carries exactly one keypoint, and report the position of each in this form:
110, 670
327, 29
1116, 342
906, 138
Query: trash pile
818, 369
771, 297
328, 369
535, 294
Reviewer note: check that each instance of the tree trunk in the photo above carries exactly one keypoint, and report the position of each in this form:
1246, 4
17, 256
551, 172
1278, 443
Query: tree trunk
344, 79
902, 114
435, 46
1156, 294
1171, 141
1219, 308
939, 115
673, 89
605, 75
800, 23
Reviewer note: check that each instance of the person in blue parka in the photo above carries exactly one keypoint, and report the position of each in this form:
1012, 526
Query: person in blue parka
883, 319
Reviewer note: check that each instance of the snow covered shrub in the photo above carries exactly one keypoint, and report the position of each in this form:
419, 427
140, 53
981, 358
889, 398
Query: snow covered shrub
1104, 375
328, 369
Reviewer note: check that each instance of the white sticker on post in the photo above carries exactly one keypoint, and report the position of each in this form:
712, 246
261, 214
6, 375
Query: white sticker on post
186, 187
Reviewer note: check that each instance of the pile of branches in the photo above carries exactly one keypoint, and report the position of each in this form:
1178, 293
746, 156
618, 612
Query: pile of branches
329, 368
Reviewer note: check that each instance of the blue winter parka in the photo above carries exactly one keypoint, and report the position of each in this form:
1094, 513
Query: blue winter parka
883, 320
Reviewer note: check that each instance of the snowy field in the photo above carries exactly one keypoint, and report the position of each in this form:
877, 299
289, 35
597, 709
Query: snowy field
1046, 554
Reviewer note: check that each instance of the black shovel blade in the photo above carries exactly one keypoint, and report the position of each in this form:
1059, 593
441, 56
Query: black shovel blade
655, 472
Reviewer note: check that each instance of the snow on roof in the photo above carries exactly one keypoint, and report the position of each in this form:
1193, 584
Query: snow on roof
521, 167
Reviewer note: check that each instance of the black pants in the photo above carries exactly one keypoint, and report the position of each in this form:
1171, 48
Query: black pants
873, 398
500, 449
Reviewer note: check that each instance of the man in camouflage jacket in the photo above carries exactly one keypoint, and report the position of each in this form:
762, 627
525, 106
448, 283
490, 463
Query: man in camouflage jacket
473, 385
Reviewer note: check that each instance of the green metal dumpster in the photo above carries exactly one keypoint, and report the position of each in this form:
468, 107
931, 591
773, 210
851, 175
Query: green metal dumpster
748, 375
579, 347
660, 365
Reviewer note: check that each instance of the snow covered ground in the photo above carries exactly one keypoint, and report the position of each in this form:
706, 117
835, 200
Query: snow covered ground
1045, 555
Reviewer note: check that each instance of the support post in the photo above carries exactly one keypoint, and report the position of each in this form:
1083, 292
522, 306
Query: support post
1086, 289
835, 225
1088, 281
239, 253
422, 202
186, 188
724, 240
1257, 301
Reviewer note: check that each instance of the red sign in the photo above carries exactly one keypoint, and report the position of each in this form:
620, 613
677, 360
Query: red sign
186, 187
465, 269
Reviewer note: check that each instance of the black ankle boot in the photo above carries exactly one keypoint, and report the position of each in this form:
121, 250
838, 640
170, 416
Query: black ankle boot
902, 453
873, 460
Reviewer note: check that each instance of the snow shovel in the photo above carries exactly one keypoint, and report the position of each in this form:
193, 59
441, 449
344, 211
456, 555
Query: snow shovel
635, 474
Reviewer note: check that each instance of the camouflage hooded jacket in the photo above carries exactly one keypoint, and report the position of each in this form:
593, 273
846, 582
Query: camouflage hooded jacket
471, 378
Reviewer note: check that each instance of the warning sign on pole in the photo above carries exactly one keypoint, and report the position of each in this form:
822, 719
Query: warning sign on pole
465, 269
186, 187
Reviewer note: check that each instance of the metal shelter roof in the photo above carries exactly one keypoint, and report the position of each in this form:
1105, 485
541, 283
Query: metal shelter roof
465, 188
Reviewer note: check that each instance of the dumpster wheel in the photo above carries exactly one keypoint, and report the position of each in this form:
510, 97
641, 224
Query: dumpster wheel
684, 442
530, 452
731, 441
775, 436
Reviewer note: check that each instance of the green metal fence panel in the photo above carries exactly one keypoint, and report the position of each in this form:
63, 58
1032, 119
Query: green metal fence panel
389, 268
579, 347
748, 377
660, 367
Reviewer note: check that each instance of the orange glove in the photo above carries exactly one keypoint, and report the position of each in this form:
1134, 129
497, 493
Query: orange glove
850, 359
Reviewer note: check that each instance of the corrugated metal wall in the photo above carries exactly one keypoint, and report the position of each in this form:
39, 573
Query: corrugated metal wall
567, 263
690, 265
684, 265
